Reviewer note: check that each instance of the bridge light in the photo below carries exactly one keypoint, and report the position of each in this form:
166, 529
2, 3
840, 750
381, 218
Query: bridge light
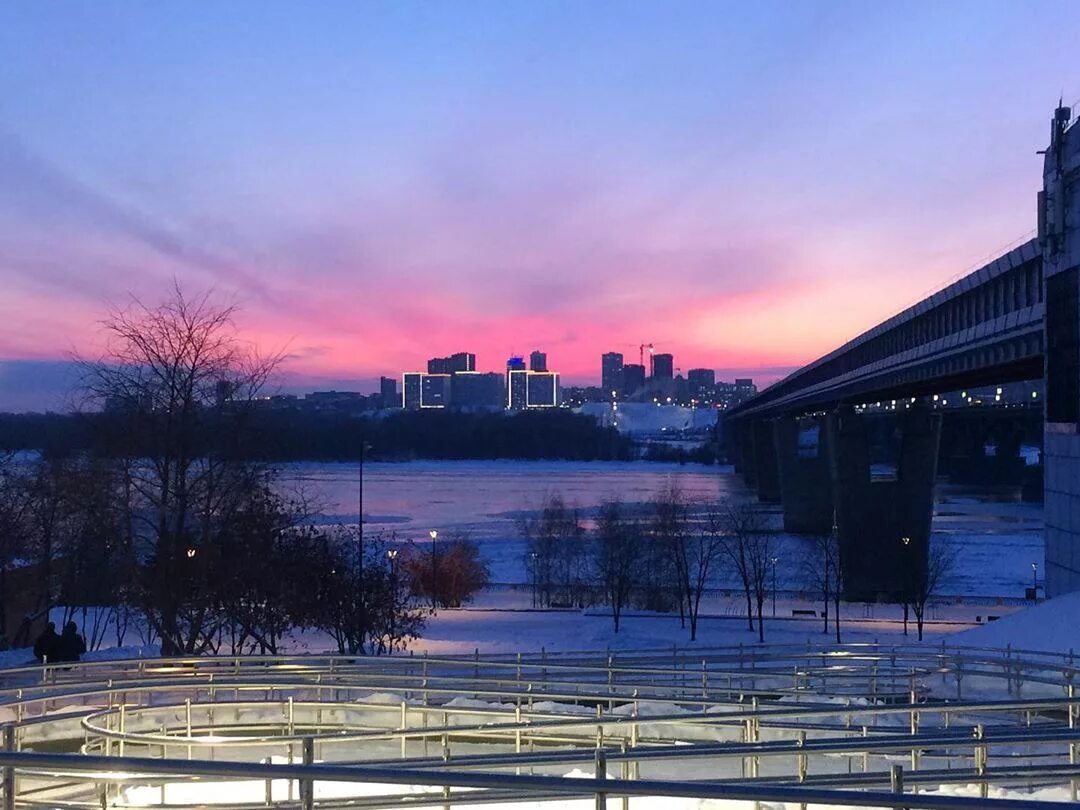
944, 402
1034, 394
935, 397
999, 390
963, 395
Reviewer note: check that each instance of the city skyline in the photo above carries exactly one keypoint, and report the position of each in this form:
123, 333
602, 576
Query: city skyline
368, 181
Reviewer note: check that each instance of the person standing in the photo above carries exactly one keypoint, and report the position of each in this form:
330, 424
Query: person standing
71, 645
46, 648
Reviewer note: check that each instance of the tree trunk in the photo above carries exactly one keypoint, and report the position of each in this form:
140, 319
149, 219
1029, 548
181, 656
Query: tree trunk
836, 614
760, 623
825, 613
905, 617
749, 611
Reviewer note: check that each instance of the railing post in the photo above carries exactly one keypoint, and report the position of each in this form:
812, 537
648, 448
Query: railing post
601, 776
307, 784
896, 779
269, 786
9, 770
980, 761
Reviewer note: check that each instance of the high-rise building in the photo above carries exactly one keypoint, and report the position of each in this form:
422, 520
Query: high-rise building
388, 392
744, 388
633, 376
543, 389
517, 389
420, 390
478, 391
526, 388
462, 361
410, 390
611, 375
701, 384
663, 366
435, 391
538, 361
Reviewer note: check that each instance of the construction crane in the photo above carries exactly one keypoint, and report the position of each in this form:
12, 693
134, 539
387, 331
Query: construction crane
641, 347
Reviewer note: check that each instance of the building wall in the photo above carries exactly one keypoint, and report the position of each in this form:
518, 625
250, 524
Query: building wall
1059, 237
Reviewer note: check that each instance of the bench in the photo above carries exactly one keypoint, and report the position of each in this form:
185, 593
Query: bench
796, 612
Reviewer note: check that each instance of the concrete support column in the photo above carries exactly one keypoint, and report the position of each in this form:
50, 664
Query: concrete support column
805, 481
765, 462
747, 459
884, 525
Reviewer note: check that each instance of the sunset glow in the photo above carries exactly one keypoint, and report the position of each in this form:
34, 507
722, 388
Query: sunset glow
745, 186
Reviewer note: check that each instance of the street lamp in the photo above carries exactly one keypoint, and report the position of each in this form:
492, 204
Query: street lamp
1035, 578
533, 556
774, 561
364, 446
391, 553
434, 535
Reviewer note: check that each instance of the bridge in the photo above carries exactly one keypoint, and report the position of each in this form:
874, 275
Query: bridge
804, 441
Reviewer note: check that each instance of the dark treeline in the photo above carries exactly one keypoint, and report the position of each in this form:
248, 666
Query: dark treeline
556, 434
293, 435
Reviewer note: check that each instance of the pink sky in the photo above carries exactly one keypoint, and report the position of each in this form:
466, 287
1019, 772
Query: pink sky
747, 188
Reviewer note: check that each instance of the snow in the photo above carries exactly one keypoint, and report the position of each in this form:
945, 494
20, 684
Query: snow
649, 418
1051, 626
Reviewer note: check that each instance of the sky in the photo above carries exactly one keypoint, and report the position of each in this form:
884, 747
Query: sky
745, 185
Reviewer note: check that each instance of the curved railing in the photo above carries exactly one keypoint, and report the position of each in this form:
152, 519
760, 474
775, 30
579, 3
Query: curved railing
764, 723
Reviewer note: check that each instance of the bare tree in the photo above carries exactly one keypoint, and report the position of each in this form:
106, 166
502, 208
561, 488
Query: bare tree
14, 505
702, 551
556, 555
822, 573
670, 530
617, 556
748, 542
366, 609
177, 383
923, 581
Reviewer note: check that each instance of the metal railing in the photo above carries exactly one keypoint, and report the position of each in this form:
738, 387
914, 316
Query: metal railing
791, 723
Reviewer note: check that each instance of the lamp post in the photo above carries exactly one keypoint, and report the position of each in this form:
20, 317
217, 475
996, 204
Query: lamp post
1035, 578
434, 535
774, 561
360, 542
391, 553
533, 556
364, 446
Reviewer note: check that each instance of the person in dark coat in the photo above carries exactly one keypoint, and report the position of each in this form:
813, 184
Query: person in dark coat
47, 645
71, 645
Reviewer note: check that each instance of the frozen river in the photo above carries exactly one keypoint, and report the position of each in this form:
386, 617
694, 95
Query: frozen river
996, 541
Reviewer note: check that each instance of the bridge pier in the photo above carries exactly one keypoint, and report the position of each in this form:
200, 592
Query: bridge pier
765, 462
884, 525
1059, 238
805, 478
